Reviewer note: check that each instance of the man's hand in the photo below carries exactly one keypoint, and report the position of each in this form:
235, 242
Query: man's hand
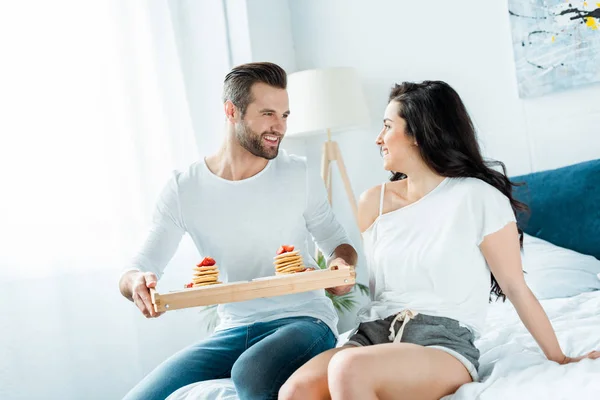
139, 284
340, 263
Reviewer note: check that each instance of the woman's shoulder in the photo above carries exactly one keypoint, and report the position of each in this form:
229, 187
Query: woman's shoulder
368, 207
477, 187
478, 194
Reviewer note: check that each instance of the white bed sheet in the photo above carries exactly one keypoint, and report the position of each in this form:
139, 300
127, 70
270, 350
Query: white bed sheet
513, 367
511, 364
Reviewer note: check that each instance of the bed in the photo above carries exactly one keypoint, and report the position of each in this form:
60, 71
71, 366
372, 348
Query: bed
565, 214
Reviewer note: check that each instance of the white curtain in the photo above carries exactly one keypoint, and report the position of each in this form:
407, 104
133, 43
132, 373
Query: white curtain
98, 104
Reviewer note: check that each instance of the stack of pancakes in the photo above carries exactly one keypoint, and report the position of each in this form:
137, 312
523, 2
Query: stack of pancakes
289, 263
205, 276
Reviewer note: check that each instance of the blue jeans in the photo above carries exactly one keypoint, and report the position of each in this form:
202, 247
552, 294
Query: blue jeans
258, 357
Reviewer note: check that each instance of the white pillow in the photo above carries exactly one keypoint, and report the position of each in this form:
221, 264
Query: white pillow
553, 271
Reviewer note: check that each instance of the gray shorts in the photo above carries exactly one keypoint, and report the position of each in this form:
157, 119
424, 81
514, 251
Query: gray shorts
437, 332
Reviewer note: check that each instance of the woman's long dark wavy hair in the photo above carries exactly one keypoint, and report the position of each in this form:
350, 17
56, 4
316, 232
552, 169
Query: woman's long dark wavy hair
438, 121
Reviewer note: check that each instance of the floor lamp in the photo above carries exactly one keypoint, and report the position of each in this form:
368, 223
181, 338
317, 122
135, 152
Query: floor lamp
327, 101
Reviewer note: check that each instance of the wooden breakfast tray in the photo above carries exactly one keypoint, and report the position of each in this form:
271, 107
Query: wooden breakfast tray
262, 287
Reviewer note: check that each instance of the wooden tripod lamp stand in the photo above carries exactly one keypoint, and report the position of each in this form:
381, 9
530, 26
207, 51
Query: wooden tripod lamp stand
323, 101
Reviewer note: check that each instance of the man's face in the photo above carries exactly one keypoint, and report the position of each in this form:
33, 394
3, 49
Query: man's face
263, 126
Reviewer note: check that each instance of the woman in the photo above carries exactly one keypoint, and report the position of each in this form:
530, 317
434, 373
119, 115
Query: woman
432, 236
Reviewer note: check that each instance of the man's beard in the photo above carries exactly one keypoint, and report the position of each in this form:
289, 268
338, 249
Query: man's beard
252, 142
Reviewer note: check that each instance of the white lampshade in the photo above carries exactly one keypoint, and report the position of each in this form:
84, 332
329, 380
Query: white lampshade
322, 99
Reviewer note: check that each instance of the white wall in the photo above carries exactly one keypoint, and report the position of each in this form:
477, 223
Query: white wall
468, 44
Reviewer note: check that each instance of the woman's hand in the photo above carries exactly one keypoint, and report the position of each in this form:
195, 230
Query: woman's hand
593, 355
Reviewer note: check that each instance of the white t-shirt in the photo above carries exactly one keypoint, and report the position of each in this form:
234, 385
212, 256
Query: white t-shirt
241, 224
426, 257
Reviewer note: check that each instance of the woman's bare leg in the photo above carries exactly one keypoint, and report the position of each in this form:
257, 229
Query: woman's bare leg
310, 381
394, 371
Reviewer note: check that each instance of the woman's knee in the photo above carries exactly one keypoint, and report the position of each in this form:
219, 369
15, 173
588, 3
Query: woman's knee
302, 387
345, 368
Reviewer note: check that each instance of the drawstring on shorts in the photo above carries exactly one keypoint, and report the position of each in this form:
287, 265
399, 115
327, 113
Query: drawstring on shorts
404, 316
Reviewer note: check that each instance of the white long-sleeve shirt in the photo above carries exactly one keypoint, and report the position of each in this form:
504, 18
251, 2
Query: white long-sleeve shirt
241, 224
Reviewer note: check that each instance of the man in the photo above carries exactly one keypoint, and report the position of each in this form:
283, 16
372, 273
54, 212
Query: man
239, 206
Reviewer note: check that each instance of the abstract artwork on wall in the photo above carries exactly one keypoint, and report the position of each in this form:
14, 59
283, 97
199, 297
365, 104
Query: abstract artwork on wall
556, 44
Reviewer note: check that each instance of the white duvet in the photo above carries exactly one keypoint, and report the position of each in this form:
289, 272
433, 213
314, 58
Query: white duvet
512, 365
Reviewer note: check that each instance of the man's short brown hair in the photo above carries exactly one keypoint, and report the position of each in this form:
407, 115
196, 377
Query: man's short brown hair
238, 83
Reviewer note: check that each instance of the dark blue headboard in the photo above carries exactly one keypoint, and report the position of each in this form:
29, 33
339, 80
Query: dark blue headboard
564, 206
